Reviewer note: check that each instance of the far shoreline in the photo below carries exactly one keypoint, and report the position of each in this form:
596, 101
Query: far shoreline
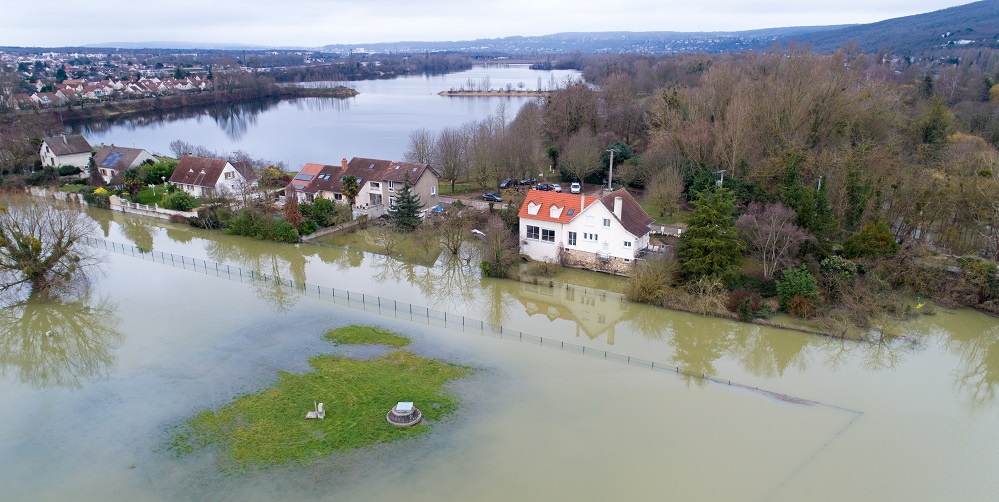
494, 93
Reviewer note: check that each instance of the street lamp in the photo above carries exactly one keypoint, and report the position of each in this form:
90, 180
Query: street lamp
610, 176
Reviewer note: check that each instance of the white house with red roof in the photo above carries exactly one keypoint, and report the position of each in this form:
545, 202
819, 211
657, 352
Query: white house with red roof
605, 234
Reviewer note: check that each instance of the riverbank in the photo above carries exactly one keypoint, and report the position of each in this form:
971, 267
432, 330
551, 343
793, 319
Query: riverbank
115, 109
494, 93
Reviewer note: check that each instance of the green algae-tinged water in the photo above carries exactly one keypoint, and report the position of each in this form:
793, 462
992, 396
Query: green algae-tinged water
153, 344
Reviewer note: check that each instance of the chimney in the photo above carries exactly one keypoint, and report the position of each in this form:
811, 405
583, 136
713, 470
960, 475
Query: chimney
582, 200
344, 163
64, 140
618, 204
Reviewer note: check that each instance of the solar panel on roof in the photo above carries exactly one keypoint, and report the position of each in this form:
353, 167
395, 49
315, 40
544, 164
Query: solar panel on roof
112, 159
303, 177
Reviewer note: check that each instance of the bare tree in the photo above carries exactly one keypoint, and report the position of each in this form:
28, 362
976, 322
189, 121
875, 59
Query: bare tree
665, 190
421, 146
453, 229
581, 156
498, 248
42, 247
449, 154
773, 235
385, 238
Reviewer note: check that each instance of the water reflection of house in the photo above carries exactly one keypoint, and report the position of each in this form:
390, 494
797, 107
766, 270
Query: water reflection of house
594, 312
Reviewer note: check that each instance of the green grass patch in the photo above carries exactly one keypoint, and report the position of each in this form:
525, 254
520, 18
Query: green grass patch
459, 188
147, 196
365, 335
74, 188
653, 211
269, 427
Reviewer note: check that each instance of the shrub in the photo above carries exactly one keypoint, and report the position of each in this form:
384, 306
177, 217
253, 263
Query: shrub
98, 198
801, 306
796, 281
69, 170
544, 268
307, 227
872, 241
835, 266
745, 309
179, 201
282, 231
651, 281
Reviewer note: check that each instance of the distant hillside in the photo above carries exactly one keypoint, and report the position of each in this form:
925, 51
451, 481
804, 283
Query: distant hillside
606, 42
975, 25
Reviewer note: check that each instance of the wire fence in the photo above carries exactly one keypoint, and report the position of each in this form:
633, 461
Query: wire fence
417, 313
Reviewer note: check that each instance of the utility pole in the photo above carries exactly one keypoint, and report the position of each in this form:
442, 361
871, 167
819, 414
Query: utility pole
610, 176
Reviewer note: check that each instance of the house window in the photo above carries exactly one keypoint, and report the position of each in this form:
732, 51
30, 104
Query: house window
230, 175
548, 235
589, 237
627, 244
375, 185
338, 196
391, 185
572, 238
533, 232
606, 222
391, 201
433, 189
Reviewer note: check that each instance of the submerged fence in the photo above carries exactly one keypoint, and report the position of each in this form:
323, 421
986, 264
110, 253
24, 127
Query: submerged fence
415, 313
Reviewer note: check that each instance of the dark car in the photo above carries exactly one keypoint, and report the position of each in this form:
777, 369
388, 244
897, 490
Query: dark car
544, 187
491, 197
507, 183
528, 181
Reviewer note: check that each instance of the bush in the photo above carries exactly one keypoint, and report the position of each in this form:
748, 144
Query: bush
282, 231
872, 241
801, 306
179, 201
307, 227
544, 268
651, 281
796, 282
835, 266
69, 170
98, 197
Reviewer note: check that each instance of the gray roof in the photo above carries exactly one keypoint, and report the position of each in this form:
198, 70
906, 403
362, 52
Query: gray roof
68, 145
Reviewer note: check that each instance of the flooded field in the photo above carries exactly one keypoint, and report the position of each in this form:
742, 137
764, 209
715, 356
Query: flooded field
88, 408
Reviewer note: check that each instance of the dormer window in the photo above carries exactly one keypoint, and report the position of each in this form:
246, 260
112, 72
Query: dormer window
555, 211
532, 208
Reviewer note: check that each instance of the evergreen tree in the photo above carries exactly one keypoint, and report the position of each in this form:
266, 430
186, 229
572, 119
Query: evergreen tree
711, 245
405, 211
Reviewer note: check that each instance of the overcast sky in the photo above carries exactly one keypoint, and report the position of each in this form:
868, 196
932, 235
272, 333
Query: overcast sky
314, 23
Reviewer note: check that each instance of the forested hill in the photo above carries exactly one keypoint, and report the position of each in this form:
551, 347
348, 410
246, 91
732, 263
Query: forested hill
971, 26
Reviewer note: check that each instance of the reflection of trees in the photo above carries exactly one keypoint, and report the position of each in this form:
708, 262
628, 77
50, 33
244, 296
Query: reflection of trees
139, 233
768, 354
103, 217
697, 346
979, 370
320, 104
52, 342
180, 236
447, 284
234, 119
342, 259
875, 355
280, 263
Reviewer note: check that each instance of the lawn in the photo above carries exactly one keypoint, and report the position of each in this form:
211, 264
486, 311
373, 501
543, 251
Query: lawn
649, 207
269, 427
459, 188
148, 198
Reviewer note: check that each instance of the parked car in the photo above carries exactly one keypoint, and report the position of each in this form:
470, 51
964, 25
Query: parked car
544, 187
556, 187
507, 183
575, 187
491, 197
528, 181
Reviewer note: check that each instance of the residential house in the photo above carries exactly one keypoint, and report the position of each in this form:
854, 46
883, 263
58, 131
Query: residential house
63, 150
379, 181
111, 160
202, 176
605, 234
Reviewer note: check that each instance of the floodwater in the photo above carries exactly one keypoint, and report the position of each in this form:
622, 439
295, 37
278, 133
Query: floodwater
87, 409
376, 123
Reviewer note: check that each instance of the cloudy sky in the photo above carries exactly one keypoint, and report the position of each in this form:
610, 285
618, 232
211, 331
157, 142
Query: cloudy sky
312, 23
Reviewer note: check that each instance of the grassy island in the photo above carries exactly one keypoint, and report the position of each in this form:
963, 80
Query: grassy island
269, 427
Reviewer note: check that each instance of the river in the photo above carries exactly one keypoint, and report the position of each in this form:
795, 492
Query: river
376, 123
88, 411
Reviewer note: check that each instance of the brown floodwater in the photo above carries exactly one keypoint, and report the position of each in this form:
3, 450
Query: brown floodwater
92, 386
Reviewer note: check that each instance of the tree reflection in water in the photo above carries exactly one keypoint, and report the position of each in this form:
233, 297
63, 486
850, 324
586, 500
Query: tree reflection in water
695, 349
768, 354
979, 370
58, 342
279, 263
139, 233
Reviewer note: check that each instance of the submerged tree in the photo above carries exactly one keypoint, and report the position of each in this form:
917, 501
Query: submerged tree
41, 247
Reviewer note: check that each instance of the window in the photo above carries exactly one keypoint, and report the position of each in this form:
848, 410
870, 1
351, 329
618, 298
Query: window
548, 235
627, 244
589, 237
229, 175
606, 222
391, 201
391, 185
375, 185
533, 232
433, 189
338, 196
572, 238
